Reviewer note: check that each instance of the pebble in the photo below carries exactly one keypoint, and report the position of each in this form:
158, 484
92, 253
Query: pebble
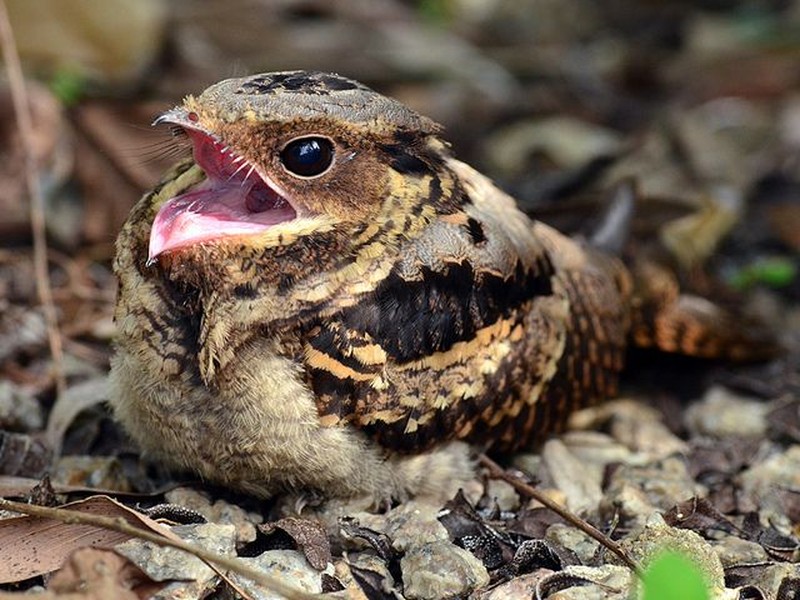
411, 524
641, 429
289, 566
573, 539
609, 582
519, 588
441, 570
580, 485
368, 565
657, 537
779, 471
733, 550
628, 503
597, 450
721, 413
192, 578
503, 493
663, 482
19, 408
217, 512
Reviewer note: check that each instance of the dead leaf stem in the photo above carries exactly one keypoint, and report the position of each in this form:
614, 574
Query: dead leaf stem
497, 472
24, 122
121, 525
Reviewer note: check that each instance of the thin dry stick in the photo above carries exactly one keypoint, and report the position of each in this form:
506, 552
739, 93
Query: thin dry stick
497, 472
22, 110
121, 525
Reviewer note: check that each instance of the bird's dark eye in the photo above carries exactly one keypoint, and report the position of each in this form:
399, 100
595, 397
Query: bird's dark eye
307, 157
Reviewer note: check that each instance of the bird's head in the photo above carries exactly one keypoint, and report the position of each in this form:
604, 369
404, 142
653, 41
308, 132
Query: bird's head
287, 156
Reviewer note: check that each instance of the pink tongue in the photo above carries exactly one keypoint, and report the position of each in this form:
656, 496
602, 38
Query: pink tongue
232, 201
214, 210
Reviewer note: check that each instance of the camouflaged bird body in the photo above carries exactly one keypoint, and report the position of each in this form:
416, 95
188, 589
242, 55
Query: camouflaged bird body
353, 349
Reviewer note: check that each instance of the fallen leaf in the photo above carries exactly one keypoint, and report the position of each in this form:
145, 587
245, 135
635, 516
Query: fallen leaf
101, 574
379, 542
31, 546
309, 537
698, 514
469, 530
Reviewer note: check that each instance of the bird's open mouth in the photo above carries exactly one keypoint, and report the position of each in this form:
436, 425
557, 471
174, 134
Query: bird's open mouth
234, 200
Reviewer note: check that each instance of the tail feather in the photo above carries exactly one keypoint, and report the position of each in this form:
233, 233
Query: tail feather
665, 318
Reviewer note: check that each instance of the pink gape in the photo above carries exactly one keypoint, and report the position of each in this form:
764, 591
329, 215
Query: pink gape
233, 200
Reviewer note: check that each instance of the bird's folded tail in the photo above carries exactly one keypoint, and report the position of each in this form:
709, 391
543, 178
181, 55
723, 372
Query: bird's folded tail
667, 318
664, 317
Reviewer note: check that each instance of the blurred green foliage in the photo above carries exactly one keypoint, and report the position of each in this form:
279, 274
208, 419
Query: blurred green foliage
68, 86
673, 576
774, 271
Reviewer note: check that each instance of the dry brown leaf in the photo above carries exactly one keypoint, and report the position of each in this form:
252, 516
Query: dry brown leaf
93, 574
31, 546
101, 574
308, 535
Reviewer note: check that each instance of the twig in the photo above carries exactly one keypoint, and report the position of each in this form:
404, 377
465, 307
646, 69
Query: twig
497, 472
19, 97
122, 526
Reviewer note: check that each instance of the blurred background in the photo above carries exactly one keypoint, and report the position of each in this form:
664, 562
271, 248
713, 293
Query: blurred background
557, 100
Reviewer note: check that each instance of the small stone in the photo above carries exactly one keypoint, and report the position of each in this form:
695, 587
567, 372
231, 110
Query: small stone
657, 537
665, 482
627, 503
411, 524
519, 588
371, 568
779, 471
19, 409
503, 493
528, 462
569, 142
609, 582
638, 427
572, 539
194, 578
441, 570
721, 413
733, 550
289, 566
597, 450
218, 512
580, 485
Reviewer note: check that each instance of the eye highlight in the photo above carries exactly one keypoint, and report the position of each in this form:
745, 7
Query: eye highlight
307, 156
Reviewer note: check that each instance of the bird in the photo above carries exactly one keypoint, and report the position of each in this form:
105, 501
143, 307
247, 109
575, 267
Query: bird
322, 298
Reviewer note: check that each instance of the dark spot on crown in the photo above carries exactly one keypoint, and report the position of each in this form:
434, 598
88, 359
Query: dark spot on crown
311, 82
340, 84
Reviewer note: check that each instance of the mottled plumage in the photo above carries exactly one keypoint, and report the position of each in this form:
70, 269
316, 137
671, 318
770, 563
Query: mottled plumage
347, 331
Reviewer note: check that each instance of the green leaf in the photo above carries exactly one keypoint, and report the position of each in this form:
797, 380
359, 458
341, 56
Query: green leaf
775, 272
68, 86
672, 576
435, 12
